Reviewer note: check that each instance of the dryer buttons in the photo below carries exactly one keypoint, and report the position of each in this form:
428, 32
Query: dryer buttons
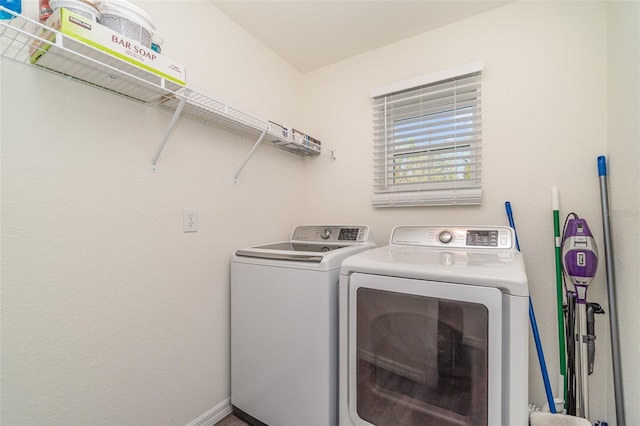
325, 234
445, 237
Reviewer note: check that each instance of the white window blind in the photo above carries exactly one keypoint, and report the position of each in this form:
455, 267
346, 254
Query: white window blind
427, 140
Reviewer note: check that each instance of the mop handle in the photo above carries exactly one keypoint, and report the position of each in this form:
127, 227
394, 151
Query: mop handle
602, 166
534, 325
611, 292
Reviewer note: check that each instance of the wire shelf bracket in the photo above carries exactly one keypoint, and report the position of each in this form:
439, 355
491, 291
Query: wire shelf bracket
258, 142
172, 123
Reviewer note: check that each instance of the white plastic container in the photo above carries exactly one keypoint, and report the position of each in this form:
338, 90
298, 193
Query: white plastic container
127, 19
81, 7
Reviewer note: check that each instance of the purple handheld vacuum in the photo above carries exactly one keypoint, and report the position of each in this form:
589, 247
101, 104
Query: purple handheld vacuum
579, 256
580, 261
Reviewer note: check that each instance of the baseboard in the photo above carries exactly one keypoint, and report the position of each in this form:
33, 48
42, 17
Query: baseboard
214, 415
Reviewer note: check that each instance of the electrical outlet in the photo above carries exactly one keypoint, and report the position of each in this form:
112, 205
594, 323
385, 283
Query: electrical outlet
190, 220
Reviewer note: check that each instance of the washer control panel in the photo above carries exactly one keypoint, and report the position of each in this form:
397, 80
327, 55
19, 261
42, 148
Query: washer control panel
331, 233
485, 237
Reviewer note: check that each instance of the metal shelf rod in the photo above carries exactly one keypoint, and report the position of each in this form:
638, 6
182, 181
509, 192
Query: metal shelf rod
172, 123
235, 178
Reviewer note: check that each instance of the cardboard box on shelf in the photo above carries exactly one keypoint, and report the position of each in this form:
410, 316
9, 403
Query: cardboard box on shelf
304, 139
104, 41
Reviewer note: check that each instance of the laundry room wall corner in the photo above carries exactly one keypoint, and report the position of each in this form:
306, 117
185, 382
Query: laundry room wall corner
536, 116
623, 154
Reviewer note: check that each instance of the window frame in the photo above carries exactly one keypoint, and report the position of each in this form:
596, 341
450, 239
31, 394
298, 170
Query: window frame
419, 102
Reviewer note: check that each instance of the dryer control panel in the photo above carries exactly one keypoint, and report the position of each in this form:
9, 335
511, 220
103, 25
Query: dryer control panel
482, 237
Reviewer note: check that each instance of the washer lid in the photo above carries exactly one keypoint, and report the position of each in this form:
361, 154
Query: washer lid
297, 247
314, 244
289, 250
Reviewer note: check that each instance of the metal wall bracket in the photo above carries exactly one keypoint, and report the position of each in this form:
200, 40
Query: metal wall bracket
172, 123
235, 178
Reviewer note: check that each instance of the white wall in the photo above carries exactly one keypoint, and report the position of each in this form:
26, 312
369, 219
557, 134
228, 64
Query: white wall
110, 313
544, 124
624, 186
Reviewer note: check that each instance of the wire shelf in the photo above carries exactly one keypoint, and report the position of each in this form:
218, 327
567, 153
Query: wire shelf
25, 40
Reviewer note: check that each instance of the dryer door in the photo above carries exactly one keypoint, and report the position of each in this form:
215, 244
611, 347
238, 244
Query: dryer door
423, 352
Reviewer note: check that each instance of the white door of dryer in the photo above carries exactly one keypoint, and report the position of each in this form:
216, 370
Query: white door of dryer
423, 352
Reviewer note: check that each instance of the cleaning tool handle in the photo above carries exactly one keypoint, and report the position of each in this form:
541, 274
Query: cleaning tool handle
555, 205
555, 199
602, 166
611, 293
507, 205
541, 359
534, 325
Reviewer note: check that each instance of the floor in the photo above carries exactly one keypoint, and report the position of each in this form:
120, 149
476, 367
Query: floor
231, 420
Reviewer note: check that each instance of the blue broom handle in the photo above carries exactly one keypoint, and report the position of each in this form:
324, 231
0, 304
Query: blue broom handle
511, 222
541, 360
534, 325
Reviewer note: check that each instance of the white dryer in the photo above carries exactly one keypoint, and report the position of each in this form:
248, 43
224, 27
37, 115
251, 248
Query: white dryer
284, 326
434, 330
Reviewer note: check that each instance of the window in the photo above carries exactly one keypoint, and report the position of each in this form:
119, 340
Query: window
427, 140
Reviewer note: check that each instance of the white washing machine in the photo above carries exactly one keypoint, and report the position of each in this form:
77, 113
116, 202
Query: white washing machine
284, 326
434, 330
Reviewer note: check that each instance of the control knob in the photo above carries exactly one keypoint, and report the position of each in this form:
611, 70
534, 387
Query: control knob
445, 237
325, 234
